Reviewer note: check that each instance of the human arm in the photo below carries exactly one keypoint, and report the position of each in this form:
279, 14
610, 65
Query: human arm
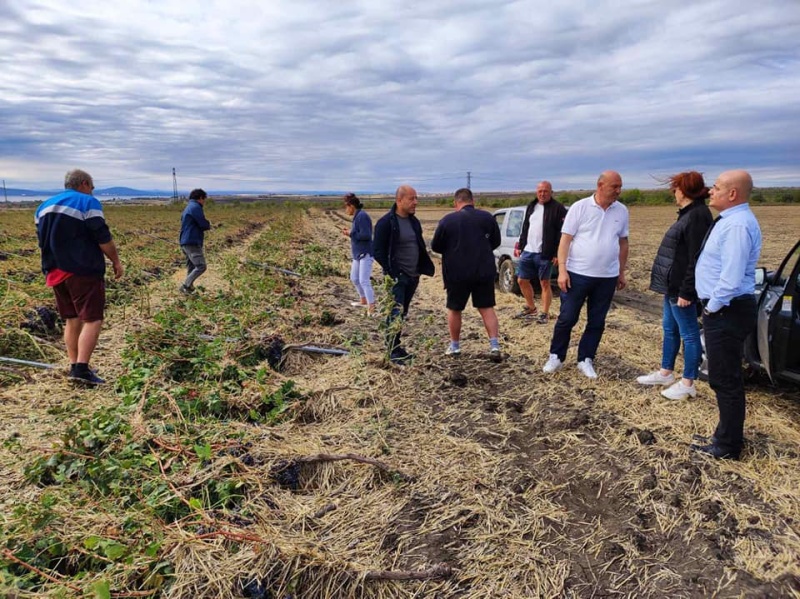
199, 217
563, 253
362, 227
438, 243
380, 244
623, 261
110, 250
693, 236
494, 234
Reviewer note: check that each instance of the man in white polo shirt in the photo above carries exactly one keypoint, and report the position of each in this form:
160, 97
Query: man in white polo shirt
591, 265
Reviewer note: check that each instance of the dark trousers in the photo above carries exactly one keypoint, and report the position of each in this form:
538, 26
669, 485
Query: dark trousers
597, 292
725, 333
402, 291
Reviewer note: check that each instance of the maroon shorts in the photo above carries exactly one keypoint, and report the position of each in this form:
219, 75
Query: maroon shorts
81, 297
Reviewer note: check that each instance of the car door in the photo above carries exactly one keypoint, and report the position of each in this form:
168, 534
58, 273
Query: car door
777, 324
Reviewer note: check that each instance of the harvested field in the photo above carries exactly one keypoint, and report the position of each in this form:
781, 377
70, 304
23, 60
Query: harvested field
224, 463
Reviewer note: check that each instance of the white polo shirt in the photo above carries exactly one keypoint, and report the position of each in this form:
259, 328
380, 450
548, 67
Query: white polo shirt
594, 251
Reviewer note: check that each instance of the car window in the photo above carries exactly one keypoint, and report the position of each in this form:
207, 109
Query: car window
514, 223
790, 264
499, 218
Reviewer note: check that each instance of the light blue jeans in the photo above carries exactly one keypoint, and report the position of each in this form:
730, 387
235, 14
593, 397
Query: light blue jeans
360, 273
681, 324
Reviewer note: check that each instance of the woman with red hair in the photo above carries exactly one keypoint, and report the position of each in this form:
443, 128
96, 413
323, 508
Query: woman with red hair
673, 275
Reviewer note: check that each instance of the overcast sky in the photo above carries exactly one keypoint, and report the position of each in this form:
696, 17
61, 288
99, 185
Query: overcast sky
340, 95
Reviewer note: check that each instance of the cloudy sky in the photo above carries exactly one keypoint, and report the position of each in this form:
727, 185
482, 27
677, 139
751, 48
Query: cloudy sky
343, 95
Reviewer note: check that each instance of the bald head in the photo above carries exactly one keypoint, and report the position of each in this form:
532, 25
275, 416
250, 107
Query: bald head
731, 189
609, 186
544, 192
405, 198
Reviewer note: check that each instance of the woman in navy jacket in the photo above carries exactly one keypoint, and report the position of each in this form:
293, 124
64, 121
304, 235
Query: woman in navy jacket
360, 235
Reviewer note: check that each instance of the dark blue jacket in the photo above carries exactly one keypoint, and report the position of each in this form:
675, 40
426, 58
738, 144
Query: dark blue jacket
193, 223
70, 228
387, 229
361, 235
466, 240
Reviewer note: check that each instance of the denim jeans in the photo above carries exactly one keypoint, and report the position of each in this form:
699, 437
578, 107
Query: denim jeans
681, 324
402, 291
597, 292
725, 333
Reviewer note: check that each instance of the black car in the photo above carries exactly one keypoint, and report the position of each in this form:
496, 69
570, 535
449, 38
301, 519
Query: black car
774, 346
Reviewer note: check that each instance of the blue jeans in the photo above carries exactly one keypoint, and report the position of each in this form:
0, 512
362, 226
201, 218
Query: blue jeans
597, 292
402, 291
681, 324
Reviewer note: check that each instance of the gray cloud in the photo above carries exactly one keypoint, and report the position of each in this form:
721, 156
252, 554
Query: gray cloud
282, 95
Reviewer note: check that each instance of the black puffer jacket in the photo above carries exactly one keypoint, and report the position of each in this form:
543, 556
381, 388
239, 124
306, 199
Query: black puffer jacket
673, 269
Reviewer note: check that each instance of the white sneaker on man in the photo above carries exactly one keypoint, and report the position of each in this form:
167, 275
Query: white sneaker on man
656, 378
553, 364
679, 391
587, 368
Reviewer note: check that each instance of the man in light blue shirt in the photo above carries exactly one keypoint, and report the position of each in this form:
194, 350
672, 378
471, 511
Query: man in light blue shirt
725, 282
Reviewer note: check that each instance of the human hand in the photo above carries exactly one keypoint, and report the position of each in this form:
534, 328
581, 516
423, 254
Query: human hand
563, 281
622, 282
517, 253
119, 270
684, 303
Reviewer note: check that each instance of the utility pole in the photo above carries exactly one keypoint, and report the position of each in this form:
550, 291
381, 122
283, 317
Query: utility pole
469, 179
174, 186
5, 195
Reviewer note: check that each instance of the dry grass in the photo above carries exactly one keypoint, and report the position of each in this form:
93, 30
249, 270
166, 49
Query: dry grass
524, 485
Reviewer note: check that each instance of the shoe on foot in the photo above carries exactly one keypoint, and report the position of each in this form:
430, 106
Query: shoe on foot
553, 364
452, 351
587, 368
186, 290
88, 378
358, 305
716, 451
526, 313
542, 318
679, 391
400, 356
656, 378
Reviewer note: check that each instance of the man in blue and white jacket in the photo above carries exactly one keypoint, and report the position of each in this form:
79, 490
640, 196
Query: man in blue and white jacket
193, 227
74, 241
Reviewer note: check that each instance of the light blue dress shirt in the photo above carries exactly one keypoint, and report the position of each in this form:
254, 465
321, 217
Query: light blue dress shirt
726, 267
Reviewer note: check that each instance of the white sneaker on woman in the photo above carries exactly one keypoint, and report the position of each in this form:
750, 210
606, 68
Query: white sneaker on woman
679, 391
656, 378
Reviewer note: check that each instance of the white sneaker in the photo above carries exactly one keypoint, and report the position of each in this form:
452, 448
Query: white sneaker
587, 368
553, 364
452, 351
679, 391
656, 378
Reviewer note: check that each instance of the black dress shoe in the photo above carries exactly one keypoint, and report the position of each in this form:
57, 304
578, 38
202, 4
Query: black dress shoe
715, 451
712, 440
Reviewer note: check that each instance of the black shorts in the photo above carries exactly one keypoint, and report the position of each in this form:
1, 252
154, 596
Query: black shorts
81, 297
482, 295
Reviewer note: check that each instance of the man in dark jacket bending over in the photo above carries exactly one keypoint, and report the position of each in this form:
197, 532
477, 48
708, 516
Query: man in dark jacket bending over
399, 248
193, 226
465, 239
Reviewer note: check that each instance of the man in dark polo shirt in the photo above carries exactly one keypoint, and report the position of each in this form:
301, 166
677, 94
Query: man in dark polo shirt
400, 249
74, 240
466, 239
